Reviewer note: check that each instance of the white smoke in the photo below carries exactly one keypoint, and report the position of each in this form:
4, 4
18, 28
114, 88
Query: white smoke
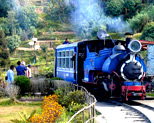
17, 4
89, 17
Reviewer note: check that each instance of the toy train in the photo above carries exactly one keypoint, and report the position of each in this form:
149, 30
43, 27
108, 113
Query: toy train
113, 66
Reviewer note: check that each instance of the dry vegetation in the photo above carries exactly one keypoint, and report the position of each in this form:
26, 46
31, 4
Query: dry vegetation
11, 111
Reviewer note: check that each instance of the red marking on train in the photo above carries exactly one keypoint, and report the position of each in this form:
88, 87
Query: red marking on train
112, 86
85, 71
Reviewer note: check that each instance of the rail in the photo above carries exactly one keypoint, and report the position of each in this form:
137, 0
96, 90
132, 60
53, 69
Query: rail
90, 109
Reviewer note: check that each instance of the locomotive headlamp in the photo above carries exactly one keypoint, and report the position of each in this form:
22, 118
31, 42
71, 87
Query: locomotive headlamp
134, 46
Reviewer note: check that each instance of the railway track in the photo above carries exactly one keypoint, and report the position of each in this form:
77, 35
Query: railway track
124, 112
114, 110
146, 109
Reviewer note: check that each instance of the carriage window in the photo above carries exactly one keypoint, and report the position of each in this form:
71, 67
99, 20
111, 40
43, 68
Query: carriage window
67, 53
71, 53
63, 53
71, 62
59, 59
67, 62
59, 54
67, 59
63, 60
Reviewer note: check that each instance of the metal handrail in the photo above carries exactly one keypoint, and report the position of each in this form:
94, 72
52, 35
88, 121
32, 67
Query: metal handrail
91, 105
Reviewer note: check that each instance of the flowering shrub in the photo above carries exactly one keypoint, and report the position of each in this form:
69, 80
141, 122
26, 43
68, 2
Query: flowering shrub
74, 107
76, 96
51, 111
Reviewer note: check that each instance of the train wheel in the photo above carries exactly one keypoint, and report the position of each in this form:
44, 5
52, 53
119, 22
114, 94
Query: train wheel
115, 86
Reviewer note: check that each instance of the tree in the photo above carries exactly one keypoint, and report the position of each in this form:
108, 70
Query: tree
45, 51
10, 24
58, 10
13, 42
148, 32
114, 7
5, 6
139, 21
149, 10
4, 54
27, 17
4, 25
132, 7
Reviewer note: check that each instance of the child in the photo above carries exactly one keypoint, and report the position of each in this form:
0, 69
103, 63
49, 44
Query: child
28, 72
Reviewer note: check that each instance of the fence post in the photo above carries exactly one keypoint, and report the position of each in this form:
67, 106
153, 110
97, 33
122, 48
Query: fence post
90, 109
93, 108
83, 117
75, 119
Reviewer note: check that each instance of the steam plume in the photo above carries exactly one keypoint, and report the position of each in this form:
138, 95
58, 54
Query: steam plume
89, 17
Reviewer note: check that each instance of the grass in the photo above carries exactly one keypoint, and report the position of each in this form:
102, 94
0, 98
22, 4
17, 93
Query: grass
150, 94
10, 110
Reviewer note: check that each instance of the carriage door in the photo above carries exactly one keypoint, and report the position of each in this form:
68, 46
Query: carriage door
73, 62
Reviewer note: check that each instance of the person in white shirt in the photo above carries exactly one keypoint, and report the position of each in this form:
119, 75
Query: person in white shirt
23, 63
28, 72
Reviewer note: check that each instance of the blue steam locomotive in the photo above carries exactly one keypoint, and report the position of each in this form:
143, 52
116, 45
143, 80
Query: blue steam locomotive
113, 66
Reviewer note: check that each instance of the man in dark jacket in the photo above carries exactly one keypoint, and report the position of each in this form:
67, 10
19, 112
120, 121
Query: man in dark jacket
66, 41
20, 69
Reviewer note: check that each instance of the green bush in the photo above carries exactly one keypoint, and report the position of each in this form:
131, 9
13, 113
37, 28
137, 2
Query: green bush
25, 44
49, 75
56, 78
76, 97
61, 93
24, 83
148, 32
74, 107
2, 92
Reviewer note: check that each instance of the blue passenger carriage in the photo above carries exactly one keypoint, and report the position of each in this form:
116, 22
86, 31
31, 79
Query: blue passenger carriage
65, 66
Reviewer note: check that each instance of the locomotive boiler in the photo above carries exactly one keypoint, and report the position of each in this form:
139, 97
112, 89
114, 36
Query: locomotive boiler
115, 67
